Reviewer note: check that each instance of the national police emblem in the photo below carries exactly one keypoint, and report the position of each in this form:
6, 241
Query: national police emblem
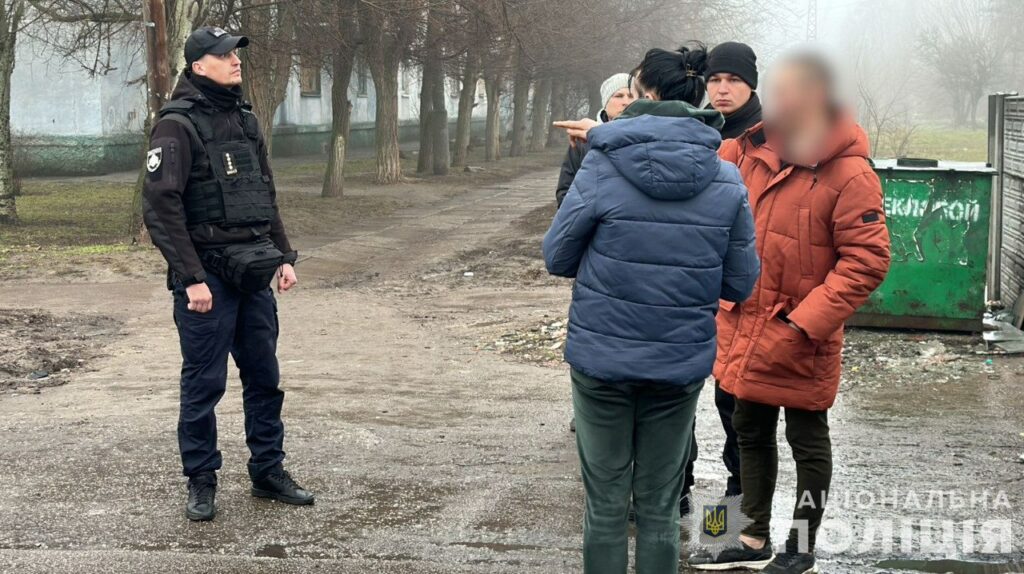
716, 520
154, 158
716, 523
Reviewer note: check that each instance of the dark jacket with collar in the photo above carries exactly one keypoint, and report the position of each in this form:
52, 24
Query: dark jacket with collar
655, 229
748, 116
572, 162
570, 166
164, 188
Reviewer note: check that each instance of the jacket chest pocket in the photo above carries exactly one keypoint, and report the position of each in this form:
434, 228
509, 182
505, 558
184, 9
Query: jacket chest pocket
804, 241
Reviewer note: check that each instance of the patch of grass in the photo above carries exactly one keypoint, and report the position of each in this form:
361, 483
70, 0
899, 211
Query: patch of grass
940, 143
81, 213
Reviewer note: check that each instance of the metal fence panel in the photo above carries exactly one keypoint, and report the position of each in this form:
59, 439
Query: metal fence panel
1012, 264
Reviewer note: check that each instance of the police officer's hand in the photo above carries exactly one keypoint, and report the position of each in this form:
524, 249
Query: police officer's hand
200, 299
286, 278
577, 129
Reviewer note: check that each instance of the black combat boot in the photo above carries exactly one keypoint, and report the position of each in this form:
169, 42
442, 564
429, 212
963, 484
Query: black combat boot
278, 485
202, 491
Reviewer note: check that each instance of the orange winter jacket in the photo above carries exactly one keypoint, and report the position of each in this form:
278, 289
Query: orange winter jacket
824, 248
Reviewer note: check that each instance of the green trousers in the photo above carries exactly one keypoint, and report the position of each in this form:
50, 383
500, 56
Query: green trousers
634, 441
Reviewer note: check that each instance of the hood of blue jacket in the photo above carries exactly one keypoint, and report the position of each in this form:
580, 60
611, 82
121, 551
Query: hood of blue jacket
665, 157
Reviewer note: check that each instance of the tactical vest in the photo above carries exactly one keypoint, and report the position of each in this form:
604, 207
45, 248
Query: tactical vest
228, 188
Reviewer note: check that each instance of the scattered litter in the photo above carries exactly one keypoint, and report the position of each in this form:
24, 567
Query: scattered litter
1002, 336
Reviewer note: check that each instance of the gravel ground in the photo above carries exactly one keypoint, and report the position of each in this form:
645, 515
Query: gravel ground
427, 407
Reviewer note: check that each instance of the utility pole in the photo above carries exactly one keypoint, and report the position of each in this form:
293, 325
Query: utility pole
812, 20
158, 72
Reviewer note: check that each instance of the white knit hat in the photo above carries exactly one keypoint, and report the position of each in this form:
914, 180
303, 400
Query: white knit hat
612, 85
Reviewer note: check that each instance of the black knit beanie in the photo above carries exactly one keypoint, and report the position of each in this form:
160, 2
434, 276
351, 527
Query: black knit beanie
733, 58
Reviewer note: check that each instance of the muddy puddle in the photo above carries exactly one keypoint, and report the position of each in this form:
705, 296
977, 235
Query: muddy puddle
951, 566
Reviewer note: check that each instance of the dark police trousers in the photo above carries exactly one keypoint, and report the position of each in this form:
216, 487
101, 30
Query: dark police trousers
246, 327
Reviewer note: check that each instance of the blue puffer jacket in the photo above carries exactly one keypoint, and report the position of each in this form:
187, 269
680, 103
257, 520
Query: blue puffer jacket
655, 229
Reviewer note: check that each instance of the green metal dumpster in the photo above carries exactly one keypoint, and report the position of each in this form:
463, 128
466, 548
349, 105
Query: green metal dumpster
938, 219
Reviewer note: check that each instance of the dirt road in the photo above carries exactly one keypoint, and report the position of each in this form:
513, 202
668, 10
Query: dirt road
430, 450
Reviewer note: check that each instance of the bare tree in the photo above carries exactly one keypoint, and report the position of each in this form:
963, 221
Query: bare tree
269, 58
964, 53
335, 21
12, 16
433, 108
390, 27
470, 67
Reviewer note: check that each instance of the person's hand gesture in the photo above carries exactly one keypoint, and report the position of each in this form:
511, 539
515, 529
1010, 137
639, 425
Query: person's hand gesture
200, 299
576, 129
286, 278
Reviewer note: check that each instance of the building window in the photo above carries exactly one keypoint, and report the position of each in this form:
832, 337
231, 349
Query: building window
309, 80
362, 78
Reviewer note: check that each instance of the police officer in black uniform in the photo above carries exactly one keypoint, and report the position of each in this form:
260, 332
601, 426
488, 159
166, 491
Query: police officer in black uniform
210, 206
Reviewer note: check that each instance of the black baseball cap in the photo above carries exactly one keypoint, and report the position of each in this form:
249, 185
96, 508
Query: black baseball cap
211, 40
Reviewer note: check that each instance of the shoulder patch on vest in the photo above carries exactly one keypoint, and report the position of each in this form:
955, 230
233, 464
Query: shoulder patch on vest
154, 159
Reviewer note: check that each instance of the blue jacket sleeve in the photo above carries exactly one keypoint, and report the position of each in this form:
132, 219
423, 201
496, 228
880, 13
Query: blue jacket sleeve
741, 266
574, 224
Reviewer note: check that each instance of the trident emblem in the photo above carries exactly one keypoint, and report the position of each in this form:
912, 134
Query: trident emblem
715, 521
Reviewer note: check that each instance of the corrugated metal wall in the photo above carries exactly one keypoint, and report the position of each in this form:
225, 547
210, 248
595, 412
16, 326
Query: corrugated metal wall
1012, 276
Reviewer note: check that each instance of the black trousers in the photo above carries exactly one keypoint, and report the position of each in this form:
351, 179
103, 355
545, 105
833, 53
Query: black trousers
726, 404
807, 433
244, 326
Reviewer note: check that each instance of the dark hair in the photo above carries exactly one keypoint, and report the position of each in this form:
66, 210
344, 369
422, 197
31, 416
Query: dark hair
634, 82
676, 75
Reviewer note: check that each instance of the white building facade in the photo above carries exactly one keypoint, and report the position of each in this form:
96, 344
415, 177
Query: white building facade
65, 121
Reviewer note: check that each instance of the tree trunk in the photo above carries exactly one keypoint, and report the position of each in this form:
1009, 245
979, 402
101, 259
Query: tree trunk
555, 138
181, 15
385, 82
539, 119
439, 129
520, 107
492, 147
431, 92
341, 121
159, 17
425, 160
8, 209
439, 123
467, 101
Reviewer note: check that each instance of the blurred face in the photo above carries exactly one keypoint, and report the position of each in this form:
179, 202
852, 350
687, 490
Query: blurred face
619, 101
794, 99
223, 69
728, 92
